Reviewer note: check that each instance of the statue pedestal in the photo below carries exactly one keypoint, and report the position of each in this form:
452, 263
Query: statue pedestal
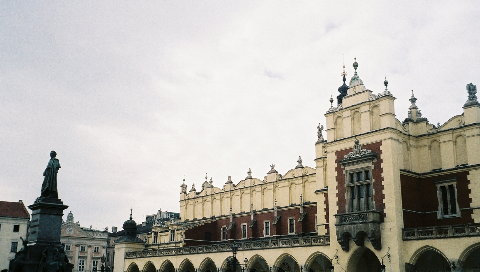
43, 251
46, 221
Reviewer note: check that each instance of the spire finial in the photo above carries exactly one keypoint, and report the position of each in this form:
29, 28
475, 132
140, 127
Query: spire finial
385, 82
206, 177
131, 211
331, 101
249, 173
412, 100
355, 65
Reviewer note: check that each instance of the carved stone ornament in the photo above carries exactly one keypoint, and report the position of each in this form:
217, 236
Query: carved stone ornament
472, 96
299, 161
320, 133
272, 169
358, 154
359, 226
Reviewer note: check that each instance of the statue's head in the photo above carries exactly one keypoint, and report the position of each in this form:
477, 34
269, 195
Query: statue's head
53, 154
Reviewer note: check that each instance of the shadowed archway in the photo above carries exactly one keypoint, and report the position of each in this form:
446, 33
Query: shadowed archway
286, 263
257, 264
318, 262
167, 266
149, 267
207, 265
430, 259
133, 268
186, 266
363, 260
470, 259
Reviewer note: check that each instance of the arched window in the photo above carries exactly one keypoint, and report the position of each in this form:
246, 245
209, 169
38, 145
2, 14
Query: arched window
461, 150
339, 127
356, 123
435, 155
375, 117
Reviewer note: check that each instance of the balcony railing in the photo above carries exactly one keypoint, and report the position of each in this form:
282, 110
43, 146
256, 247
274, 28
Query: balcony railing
439, 232
358, 218
264, 243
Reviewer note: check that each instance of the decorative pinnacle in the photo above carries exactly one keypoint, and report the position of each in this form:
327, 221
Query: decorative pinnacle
206, 177
355, 65
385, 83
331, 101
299, 161
249, 173
344, 74
412, 100
131, 210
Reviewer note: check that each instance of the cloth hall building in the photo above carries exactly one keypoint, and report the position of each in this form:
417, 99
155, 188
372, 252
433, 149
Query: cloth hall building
384, 195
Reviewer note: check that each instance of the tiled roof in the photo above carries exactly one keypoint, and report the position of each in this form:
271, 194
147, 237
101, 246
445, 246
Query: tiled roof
13, 209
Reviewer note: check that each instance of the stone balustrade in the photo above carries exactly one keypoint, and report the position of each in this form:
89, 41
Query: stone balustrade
439, 232
262, 243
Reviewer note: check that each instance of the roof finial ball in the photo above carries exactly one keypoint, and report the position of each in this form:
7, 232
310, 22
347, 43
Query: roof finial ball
355, 65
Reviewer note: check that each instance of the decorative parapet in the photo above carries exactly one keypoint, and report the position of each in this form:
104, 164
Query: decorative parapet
358, 226
440, 232
263, 243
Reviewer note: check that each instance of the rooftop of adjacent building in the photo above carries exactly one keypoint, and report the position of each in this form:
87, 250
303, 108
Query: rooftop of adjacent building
13, 210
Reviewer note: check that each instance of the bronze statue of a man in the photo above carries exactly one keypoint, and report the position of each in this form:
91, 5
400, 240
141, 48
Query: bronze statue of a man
49, 185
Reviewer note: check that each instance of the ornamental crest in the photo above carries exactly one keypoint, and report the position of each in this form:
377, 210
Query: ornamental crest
358, 153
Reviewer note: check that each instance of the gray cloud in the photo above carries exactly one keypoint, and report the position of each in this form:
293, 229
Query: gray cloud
136, 97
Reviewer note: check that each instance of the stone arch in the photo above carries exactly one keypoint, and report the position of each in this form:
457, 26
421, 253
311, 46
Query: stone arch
356, 123
286, 263
186, 266
363, 260
166, 266
149, 267
339, 127
470, 258
227, 265
133, 267
435, 154
318, 262
461, 150
207, 265
257, 264
430, 259
375, 117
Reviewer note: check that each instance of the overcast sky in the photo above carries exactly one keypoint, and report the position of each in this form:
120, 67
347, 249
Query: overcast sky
135, 96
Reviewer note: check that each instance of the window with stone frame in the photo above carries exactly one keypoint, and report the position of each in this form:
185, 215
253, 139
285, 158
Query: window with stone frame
447, 199
244, 231
96, 249
82, 248
13, 247
81, 264
291, 225
359, 190
223, 233
266, 228
95, 265
155, 237
67, 247
172, 235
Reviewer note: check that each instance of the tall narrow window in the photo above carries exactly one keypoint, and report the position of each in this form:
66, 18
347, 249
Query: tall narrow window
359, 188
266, 229
13, 247
155, 237
244, 231
81, 264
291, 225
447, 200
172, 235
94, 265
224, 233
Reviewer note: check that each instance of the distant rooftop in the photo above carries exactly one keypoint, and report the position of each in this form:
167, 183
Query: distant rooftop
13, 210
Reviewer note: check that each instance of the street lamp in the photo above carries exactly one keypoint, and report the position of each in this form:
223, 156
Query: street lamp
382, 266
234, 261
